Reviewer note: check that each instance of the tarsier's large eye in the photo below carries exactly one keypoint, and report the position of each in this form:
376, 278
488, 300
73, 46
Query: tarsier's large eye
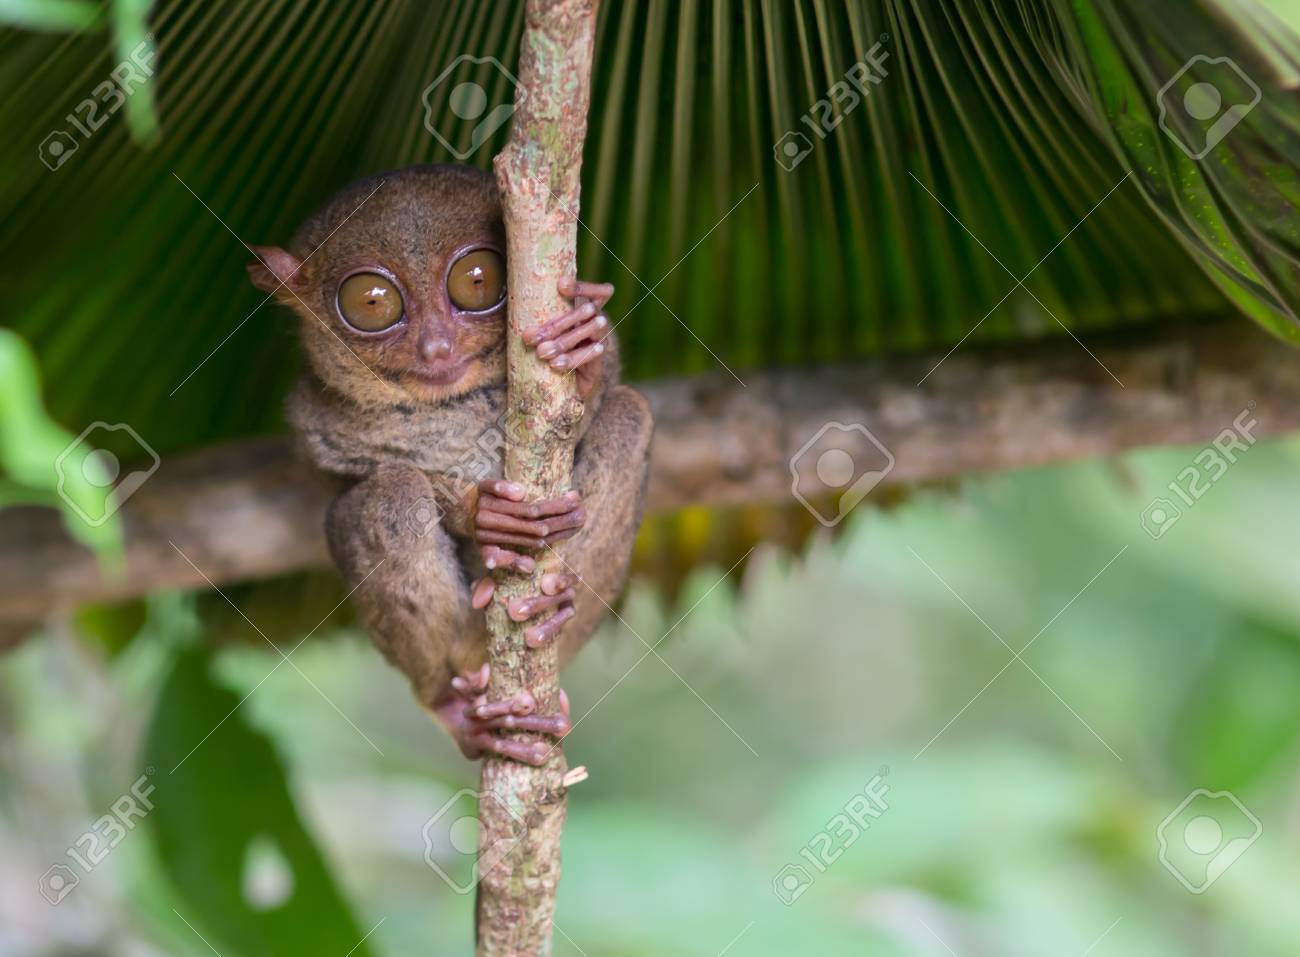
477, 280
369, 302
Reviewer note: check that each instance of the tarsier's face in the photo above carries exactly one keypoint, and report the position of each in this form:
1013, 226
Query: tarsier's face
401, 286
424, 344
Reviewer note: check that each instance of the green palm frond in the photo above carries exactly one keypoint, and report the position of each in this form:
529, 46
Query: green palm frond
1235, 208
1034, 125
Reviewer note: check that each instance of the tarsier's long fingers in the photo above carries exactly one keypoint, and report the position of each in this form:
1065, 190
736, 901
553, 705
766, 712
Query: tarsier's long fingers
507, 498
597, 292
521, 609
564, 709
502, 518
520, 704
572, 341
494, 521
481, 594
580, 315
474, 721
475, 745
555, 582
513, 714
556, 341
502, 489
588, 331
494, 557
470, 684
535, 636
552, 724
580, 357
490, 537
576, 358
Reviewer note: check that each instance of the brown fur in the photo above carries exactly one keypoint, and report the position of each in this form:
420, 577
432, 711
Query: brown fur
406, 449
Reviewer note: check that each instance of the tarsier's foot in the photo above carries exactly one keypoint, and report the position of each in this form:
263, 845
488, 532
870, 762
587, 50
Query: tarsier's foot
575, 341
502, 518
473, 720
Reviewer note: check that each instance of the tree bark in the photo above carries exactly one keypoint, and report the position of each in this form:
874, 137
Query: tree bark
538, 173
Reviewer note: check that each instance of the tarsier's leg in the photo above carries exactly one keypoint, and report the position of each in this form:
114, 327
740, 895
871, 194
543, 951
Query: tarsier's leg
414, 601
410, 590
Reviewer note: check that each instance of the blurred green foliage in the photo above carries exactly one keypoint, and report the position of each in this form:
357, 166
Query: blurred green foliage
1023, 805
215, 768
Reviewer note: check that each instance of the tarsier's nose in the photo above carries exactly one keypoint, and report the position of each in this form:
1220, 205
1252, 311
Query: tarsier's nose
433, 345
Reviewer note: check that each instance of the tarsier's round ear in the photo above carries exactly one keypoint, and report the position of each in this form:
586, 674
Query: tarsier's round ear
275, 267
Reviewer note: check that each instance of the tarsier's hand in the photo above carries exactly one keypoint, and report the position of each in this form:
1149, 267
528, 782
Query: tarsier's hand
505, 527
575, 341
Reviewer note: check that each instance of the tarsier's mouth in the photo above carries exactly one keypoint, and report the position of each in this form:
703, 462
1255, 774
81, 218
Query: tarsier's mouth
441, 376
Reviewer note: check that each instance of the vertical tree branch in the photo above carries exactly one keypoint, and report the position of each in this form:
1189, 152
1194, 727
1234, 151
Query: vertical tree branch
538, 173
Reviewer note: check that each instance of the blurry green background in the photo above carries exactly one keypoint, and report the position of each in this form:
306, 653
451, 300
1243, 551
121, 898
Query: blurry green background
1017, 832
289, 799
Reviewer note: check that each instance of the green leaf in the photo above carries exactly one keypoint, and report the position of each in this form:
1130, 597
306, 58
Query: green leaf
113, 626
228, 832
134, 42
41, 464
54, 15
1233, 201
1241, 718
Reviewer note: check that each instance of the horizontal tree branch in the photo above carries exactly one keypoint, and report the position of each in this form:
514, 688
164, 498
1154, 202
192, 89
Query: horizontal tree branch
249, 510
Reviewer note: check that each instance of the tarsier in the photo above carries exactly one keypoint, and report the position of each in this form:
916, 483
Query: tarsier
399, 282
